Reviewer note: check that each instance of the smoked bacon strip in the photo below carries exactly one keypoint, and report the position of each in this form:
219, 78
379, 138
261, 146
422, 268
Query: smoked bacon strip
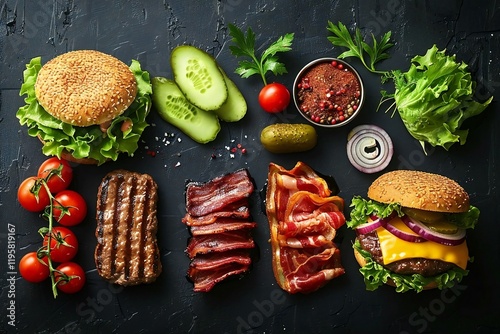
218, 218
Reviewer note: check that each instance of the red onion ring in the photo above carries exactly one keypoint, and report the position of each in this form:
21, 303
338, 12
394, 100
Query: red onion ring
403, 235
424, 231
370, 226
369, 148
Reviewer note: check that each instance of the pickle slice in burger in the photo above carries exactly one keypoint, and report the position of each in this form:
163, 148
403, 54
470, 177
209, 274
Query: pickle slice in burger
435, 208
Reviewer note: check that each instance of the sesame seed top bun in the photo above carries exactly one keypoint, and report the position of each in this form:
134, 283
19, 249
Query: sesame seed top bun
420, 190
85, 87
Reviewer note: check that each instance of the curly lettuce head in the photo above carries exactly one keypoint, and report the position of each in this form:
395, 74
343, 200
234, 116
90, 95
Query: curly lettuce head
434, 97
85, 142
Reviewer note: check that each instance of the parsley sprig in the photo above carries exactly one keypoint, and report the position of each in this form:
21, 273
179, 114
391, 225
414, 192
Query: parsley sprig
357, 47
244, 46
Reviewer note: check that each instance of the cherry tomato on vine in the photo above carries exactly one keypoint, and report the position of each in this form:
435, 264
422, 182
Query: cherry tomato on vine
63, 244
72, 278
32, 195
33, 269
69, 208
274, 97
57, 173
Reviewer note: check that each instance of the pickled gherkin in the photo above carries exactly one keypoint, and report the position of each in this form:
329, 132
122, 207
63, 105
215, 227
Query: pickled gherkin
288, 138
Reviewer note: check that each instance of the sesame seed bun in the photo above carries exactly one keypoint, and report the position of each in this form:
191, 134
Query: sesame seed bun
420, 190
85, 87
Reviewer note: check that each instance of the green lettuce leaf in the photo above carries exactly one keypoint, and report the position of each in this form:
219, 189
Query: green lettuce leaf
434, 97
363, 208
467, 219
376, 275
85, 142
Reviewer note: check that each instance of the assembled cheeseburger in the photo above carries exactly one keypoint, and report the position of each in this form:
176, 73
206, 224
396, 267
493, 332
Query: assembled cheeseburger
411, 231
85, 106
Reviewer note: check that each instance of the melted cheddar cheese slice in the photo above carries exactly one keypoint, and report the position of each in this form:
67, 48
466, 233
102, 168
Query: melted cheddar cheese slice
395, 249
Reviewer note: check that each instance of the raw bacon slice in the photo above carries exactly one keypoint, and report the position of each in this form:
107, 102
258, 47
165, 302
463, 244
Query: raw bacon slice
308, 278
310, 241
213, 196
309, 271
324, 222
307, 213
303, 220
219, 242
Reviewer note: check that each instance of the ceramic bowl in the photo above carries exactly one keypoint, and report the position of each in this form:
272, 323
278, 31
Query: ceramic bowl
328, 92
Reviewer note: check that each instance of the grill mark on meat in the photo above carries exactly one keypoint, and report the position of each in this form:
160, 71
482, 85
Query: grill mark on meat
119, 244
141, 240
130, 225
149, 263
127, 251
114, 232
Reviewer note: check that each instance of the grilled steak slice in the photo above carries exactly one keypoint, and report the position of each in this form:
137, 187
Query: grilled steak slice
127, 252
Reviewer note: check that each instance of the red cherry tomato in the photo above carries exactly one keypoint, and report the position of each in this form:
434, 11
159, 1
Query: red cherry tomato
274, 97
63, 244
72, 278
70, 208
57, 173
32, 195
34, 269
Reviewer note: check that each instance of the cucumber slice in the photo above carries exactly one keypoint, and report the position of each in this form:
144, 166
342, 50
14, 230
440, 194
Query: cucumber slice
200, 125
198, 76
235, 107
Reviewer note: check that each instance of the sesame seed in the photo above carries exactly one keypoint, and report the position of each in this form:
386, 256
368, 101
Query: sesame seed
81, 87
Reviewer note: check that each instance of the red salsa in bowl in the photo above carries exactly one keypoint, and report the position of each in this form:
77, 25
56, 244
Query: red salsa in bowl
328, 92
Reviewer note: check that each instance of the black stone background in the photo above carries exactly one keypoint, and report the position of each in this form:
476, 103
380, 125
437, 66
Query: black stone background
147, 31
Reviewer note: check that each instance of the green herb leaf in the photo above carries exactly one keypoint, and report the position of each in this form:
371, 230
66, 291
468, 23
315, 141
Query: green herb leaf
283, 44
244, 46
357, 47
